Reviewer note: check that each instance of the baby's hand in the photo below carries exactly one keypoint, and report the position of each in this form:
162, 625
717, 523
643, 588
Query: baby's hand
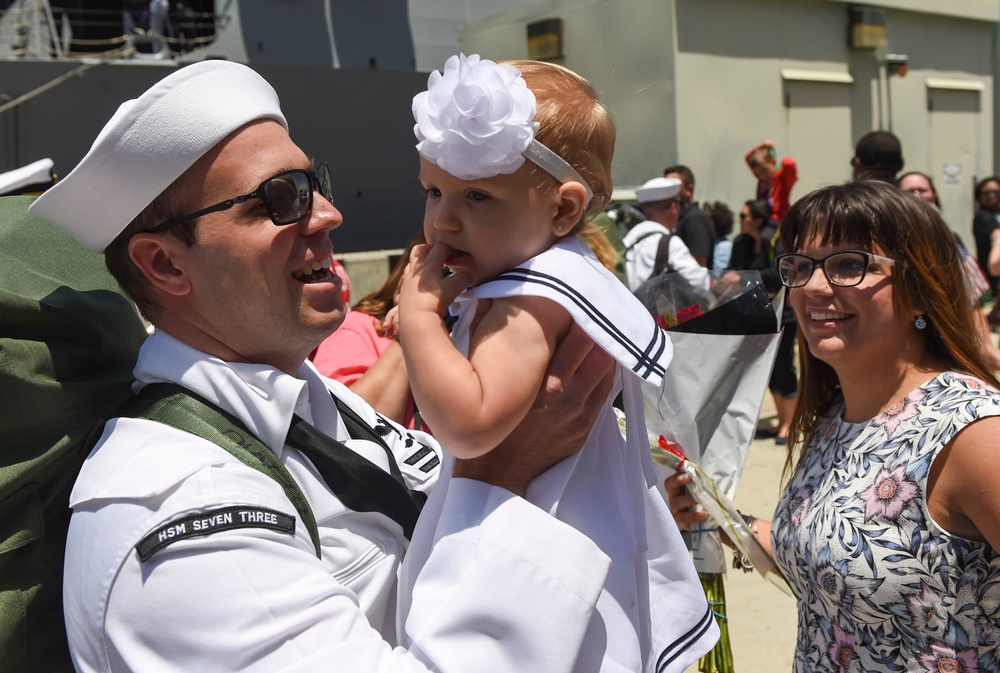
391, 323
424, 287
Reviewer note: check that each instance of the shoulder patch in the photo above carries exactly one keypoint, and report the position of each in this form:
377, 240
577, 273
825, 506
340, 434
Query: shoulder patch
418, 455
430, 464
213, 521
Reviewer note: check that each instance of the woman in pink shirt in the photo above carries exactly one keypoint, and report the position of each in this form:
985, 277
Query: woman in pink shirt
359, 355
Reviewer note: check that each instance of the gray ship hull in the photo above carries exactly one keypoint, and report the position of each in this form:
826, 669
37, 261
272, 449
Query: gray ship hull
357, 120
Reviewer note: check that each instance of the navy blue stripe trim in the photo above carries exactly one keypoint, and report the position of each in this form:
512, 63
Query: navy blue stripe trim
676, 648
646, 359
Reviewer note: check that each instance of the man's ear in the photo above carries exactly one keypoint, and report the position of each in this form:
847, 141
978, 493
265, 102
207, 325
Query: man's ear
572, 205
161, 258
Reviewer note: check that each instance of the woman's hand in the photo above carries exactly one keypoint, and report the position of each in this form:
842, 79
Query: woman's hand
683, 505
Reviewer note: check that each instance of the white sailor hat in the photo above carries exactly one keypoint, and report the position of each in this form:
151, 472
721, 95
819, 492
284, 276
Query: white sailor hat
657, 189
150, 142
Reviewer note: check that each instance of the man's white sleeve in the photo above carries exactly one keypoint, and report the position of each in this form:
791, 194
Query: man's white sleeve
506, 586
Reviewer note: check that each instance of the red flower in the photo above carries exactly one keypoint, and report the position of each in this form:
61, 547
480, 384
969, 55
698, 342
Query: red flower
685, 314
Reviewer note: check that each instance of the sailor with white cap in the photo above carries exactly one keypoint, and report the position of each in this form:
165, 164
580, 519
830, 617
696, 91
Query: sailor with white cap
183, 557
645, 250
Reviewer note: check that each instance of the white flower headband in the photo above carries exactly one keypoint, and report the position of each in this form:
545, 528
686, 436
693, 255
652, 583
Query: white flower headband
476, 120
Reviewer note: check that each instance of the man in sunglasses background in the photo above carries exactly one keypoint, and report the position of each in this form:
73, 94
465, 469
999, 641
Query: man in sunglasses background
186, 555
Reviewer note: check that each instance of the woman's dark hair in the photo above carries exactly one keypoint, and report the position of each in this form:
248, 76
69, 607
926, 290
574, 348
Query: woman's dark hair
928, 278
760, 209
721, 216
982, 184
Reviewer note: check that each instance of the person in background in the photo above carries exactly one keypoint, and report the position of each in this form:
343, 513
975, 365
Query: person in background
345, 282
878, 155
160, 24
994, 258
603, 248
889, 526
505, 222
180, 555
752, 246
985, 222
755, 249
774, 181
359, 355
614, 221
920, 185
694, 227
651, 248
722, 221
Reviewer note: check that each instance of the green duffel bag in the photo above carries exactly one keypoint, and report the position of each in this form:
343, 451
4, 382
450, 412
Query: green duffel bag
68, 344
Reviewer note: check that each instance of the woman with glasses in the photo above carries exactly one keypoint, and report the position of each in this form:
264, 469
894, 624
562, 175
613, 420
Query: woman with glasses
888, 527
363, 358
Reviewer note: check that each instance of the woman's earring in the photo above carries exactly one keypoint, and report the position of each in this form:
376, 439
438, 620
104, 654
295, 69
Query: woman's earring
560, 227
920, 322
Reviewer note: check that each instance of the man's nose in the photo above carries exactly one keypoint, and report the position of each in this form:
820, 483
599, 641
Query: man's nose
324, 216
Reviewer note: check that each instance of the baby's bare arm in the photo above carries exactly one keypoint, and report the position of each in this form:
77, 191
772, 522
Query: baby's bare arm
577, 382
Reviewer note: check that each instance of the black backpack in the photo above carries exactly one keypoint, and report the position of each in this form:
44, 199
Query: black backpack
661, 263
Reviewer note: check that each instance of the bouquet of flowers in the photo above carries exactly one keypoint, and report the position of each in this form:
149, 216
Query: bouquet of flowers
725, 340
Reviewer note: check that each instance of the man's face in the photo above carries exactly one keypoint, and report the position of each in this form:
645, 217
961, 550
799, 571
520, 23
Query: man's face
989, 196
258, 292
664, 212
686, 194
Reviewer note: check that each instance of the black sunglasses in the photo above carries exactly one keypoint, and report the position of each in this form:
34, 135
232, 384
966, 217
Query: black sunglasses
288, 197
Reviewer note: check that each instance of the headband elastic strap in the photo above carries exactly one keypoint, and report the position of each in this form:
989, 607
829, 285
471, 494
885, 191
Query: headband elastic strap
556, 166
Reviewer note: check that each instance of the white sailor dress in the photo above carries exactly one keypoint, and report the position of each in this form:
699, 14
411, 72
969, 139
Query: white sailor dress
652, 614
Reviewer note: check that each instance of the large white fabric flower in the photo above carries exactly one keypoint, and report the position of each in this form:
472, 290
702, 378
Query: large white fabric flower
475, 119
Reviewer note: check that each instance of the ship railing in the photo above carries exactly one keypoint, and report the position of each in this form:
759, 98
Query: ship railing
34, 30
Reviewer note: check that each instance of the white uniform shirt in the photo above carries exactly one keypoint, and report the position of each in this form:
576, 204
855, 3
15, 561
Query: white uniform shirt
257, 599
641, 242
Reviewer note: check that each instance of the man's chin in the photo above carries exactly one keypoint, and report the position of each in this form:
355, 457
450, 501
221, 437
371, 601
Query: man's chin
322, 325
334, 320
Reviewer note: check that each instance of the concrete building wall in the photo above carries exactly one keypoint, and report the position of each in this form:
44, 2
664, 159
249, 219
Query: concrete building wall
699, 82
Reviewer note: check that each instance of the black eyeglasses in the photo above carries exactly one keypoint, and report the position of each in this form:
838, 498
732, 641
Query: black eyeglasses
288, 197
844, 269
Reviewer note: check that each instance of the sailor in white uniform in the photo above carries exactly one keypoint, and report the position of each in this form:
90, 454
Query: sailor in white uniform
657, 200
181, 555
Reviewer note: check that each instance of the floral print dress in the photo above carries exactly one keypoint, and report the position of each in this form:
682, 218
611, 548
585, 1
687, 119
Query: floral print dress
881, 586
